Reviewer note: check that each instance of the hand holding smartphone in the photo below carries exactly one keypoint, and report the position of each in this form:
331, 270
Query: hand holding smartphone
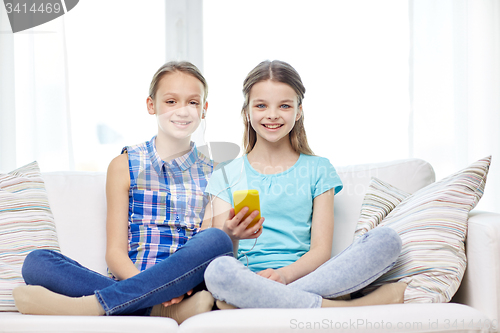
247, 198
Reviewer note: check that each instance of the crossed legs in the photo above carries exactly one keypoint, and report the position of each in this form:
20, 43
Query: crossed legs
168, 279
360, 264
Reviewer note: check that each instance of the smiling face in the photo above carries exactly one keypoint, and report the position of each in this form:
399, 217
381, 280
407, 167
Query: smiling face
273, 109
178, 105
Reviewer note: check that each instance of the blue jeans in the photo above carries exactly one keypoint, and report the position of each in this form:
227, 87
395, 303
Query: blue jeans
360, 264
170, 278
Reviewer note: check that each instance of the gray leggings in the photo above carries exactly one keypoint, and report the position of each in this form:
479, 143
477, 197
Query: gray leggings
366, 259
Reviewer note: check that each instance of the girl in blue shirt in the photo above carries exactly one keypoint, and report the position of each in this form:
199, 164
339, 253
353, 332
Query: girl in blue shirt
288, 255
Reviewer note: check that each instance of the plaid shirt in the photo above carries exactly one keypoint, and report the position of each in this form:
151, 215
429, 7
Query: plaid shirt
166, 201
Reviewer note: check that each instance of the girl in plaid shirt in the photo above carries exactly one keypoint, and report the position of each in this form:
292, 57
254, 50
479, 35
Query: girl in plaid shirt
155, 205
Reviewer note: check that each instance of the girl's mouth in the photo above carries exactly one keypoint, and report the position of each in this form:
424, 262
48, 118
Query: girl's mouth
272, 126
181, 123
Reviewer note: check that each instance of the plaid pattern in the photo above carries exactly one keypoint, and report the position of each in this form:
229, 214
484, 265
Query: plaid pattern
166, 201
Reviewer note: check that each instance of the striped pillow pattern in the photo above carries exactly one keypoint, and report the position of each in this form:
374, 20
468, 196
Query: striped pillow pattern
432, 224
26, 223
380, 199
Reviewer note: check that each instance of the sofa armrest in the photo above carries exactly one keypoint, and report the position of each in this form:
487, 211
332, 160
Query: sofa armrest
480, 287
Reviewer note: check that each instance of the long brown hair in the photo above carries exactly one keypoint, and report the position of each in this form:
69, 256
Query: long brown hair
278, 71
177, 66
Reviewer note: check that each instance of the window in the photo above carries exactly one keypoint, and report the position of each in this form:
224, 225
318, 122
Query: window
114, 47
352, 57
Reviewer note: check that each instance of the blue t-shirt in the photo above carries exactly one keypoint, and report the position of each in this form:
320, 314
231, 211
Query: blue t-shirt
286, 203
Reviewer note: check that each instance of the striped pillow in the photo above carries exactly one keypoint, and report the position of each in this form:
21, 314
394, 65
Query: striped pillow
26, 223
432, 224
380, 199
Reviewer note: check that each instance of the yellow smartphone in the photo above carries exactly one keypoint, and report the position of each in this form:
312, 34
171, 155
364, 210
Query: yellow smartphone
247, 198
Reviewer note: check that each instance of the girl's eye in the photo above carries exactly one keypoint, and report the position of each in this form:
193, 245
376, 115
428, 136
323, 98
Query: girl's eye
194, 103
170, 102
260, 106
285, 106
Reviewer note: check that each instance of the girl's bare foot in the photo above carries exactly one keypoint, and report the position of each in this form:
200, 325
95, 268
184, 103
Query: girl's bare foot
391, 293
224, 306
38, 300
200, 302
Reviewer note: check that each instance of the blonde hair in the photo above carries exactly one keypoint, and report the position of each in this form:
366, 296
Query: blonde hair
278, 71
177, 66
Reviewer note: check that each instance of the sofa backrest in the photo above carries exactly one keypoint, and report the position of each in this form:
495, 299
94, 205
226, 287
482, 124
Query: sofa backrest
78, 202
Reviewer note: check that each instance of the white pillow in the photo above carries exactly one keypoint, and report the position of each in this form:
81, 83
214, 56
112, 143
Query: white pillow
432, 224
26, 224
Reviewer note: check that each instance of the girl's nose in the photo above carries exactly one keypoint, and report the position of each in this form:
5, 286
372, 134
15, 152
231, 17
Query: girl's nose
272, 113
182, 111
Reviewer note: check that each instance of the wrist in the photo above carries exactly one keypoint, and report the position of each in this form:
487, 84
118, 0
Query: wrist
283, 276
229, 233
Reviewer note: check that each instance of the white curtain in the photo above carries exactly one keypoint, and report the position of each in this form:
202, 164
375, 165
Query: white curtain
33, 92
73, 90
454, 82
7, 104
455, 87
351, 55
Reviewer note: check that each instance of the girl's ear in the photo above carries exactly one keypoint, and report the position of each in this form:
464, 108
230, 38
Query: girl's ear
150, 105
204, 111
299, 113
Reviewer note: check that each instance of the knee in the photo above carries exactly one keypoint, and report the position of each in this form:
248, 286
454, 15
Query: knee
33, 263
218, 240
390, 239
220, 273
37, 256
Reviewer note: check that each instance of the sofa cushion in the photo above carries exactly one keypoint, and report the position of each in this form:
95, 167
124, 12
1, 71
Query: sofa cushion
19, 323
422, 318
432, 224
26, 224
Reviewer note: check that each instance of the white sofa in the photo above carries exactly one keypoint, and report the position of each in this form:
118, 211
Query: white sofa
77, 200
